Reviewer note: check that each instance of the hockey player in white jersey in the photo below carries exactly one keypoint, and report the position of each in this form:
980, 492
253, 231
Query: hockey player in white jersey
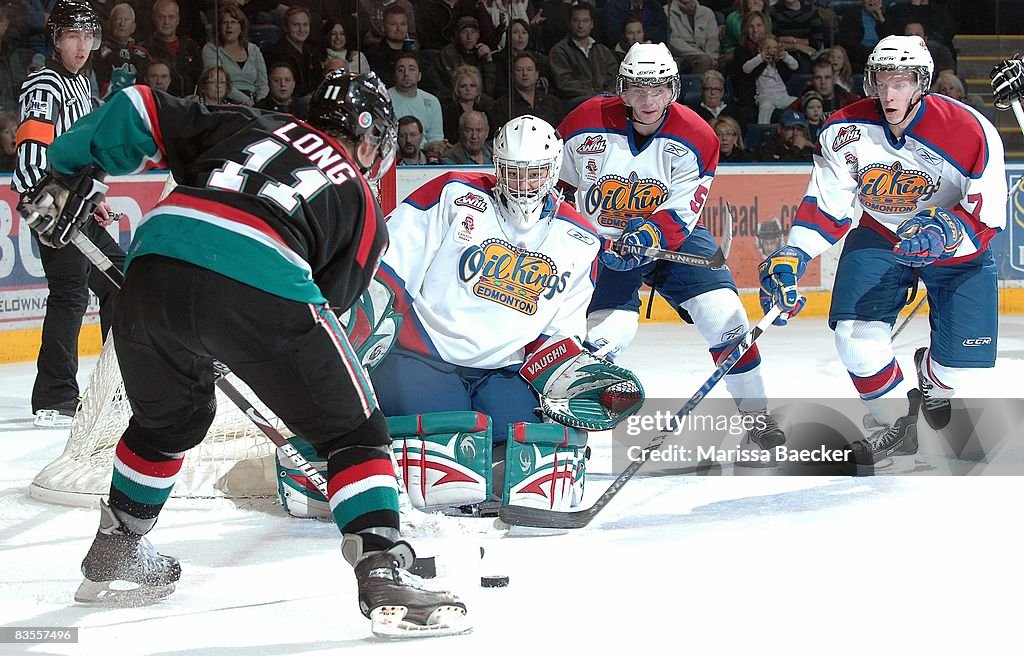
916, 183
641, 167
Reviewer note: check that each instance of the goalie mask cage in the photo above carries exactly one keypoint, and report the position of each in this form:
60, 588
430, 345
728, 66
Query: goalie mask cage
235, 461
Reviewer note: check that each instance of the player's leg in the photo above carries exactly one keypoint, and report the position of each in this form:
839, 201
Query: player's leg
963, 302
613, 315
708, 298
869, 291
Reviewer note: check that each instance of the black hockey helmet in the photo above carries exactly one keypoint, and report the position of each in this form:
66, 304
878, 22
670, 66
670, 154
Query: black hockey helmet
73, 15
357, 107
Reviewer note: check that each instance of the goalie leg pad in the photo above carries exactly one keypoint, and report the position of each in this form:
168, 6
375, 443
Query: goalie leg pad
299, 497
545, 466
444, 458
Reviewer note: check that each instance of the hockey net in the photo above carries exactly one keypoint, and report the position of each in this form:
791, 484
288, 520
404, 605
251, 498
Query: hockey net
235, 461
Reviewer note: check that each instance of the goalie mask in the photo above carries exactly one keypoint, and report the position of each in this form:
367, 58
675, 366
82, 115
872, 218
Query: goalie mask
899, 54
527, 159
357, 108
73, 16
643, 73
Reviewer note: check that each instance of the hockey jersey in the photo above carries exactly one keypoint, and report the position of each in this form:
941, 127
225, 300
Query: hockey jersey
477, 292
666, 180
262, 198
950, 156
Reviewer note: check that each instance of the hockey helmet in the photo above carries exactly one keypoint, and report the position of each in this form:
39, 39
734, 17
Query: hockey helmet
769, 236
648, 64
73, 15
899, 53
527, 160
357, 107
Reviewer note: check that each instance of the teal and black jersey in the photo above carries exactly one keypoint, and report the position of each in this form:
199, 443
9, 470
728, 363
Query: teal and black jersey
262, 197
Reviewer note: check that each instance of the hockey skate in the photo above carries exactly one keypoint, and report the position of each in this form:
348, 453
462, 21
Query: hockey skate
124, 569
59, 416
937, 410
874, 453
395, 600
762, 437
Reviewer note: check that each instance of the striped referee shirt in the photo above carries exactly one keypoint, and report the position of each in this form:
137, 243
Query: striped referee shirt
51, 100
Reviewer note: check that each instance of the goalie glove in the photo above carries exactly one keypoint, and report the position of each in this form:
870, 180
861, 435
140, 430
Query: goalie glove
372, 324
933, 234
58, 206
1007, 82
578, 389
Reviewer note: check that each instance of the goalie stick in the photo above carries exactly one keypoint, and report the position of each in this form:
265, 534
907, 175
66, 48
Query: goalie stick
540, 518
716, 261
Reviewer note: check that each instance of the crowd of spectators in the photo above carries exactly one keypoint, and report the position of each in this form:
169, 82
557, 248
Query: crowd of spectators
764, 73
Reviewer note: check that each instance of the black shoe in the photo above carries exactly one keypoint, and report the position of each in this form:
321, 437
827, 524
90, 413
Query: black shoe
900, 439
937, 411
765, 431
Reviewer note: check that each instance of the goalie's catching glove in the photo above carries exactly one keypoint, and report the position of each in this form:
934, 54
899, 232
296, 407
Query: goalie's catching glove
580, 390
1007, 82
58, 206
933, 234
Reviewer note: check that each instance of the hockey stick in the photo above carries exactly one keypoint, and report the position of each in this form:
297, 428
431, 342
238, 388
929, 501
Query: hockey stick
716, 261
540, 518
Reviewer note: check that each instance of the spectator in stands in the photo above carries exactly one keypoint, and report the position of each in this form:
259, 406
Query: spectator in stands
734, 22
410, 141
409, 100
527, 96
860, 28
650, 13
496, 18
335, 46
281, 79
790, 142
948, 84
472, 147
712, 93
941, 55
632, 32
935, 16
466, 50
241, 60
437, 19
8, 147
120, 60
744, 85
841, 68
157, 75
518, 43
298, 51
823, 80
181, 53
580, 66
554, 27
466, 95
693, 35
812, 106
730, 141
771, 68
383, 55
214, 87
371, 18
799, 28
13, 62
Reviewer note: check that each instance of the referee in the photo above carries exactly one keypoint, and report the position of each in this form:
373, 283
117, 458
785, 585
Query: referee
51, 100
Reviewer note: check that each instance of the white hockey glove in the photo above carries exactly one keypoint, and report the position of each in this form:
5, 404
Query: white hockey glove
1007, 82
57, 207
580, 390
372, 324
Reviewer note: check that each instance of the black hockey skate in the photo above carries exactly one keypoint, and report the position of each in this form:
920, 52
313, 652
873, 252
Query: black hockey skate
124, 569
396, 602
763, 436
899, 439
937, 411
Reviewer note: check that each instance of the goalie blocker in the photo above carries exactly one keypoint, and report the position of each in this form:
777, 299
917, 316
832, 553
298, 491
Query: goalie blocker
445, 461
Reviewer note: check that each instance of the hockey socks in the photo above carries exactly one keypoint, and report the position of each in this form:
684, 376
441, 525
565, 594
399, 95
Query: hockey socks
142, 482
363, 493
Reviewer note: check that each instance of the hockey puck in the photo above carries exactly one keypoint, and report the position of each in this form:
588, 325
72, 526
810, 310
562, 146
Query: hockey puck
493, 581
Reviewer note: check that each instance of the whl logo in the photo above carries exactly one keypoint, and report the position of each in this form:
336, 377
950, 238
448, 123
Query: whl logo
846, 136
592, 145
977, 341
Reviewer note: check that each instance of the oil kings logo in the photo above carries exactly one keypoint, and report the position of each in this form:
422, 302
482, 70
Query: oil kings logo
614, 200
592, 145
893, 189
510, 276
846, 136
472, 201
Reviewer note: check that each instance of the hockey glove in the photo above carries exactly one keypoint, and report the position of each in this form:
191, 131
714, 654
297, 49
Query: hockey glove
627, 252
1007, 82
58, 206
578, 389
934, 234
779, 275
372, 324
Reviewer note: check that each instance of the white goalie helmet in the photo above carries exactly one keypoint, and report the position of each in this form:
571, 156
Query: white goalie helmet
648, 64
527, 159
899, 53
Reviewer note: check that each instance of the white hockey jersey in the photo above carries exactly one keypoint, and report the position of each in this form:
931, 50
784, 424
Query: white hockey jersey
950, 156
475, 291
666, 181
